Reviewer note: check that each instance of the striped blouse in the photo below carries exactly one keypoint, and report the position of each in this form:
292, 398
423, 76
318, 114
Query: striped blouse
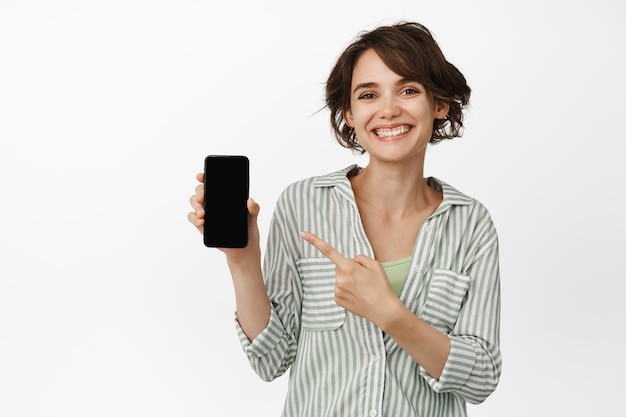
343, 365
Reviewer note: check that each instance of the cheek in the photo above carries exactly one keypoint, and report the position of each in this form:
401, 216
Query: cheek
425, 114
359, 116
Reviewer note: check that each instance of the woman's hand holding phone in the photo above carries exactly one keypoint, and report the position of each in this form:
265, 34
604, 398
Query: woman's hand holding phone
234, 255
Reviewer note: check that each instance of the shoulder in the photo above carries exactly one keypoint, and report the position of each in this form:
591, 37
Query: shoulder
463, 208
454, 198
466, 221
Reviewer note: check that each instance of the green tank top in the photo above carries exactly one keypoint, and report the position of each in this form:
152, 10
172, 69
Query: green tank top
397, 271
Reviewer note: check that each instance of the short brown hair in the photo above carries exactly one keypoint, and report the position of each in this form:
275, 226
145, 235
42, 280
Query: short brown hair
409, 50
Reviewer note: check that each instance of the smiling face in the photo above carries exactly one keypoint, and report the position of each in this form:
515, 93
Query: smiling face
392, 116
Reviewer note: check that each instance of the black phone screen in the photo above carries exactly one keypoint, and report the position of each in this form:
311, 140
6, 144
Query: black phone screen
226, 187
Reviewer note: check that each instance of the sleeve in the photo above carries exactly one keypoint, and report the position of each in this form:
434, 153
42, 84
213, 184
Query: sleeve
474, 365
273, 351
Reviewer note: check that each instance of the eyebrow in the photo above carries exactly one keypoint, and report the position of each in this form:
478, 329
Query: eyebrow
373, 84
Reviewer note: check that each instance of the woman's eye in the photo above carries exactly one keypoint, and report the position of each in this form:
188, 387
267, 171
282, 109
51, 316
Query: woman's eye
410, 91
366, 96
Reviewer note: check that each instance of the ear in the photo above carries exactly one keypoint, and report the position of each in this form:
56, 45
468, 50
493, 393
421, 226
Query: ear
347, 116
441, 109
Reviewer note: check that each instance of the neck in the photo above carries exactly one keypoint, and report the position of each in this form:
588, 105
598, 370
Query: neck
393, 190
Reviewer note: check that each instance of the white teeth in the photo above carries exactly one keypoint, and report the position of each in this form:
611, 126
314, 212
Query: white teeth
391, 132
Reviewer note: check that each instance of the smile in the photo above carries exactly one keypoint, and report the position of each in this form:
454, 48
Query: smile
387, 133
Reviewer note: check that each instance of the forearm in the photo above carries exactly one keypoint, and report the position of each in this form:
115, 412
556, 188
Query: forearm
251, 299
427, 345
467, 365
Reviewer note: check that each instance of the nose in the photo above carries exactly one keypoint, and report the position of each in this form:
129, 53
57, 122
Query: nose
389, 107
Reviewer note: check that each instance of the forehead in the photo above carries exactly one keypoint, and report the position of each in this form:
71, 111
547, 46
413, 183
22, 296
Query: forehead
370, 68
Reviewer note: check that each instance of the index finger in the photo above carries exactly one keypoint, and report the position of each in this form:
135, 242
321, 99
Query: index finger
326, 249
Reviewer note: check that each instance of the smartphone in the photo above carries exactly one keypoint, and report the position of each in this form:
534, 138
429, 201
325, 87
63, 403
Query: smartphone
226, 187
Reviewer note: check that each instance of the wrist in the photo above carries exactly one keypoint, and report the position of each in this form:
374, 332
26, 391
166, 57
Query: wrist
390, 314
242, 257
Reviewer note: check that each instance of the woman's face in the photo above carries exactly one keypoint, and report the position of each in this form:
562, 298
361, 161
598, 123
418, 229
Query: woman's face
392, 116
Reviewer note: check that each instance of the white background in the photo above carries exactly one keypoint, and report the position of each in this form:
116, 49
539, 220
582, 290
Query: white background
111, 305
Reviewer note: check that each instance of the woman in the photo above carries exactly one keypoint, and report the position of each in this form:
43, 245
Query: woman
380, 288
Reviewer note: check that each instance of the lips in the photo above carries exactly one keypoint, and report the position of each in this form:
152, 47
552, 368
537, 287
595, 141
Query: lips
392, 132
